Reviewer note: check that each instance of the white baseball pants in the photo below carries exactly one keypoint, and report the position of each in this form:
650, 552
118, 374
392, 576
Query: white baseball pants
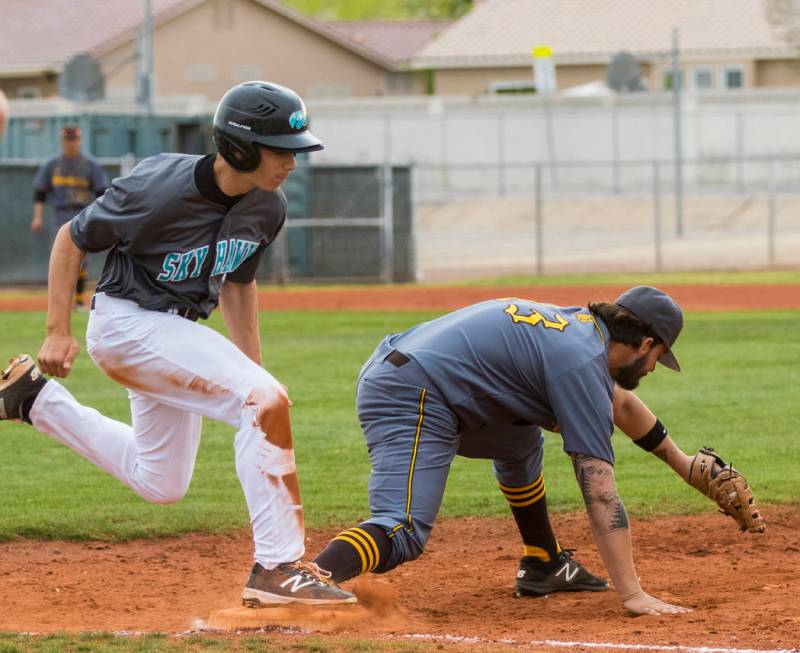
175, 371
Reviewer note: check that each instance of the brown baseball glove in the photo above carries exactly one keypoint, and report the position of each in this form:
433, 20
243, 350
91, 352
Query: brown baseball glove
721, 483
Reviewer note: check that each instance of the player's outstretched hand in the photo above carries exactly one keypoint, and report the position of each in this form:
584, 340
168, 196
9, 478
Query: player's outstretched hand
643, 603
57, 354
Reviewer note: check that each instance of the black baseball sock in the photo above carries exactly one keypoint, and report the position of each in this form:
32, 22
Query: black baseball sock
529, 507
355, 551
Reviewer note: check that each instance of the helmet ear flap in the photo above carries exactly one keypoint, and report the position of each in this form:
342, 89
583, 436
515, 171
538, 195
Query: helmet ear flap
241, 155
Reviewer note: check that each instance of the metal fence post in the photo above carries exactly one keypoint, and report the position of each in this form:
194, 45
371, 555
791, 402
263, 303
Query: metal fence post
539, 227
615, 147
771, 213
739, 152
501, 156
387, 228
657, 215
127, 162
677, 132
280, 270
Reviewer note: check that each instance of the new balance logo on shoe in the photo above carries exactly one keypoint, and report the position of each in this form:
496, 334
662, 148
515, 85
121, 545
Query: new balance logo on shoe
297, 583
568, 574
563, 574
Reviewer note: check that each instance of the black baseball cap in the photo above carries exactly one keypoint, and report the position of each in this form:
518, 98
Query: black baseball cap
658, 311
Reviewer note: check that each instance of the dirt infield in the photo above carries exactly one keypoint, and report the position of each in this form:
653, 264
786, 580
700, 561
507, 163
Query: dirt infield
718, 297
743, 588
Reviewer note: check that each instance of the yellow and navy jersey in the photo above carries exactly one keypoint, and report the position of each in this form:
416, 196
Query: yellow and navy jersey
514, 360
69, 184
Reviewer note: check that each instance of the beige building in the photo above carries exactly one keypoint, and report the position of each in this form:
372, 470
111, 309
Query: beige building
724, 44
203, 47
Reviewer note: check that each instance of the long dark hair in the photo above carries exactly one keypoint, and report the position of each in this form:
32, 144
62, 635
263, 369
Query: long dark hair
623, 326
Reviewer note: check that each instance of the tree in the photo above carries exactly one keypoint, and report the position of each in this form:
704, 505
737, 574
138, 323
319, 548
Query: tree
439, 8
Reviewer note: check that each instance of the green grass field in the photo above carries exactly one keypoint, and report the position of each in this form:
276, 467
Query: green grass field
109, 643
738, 392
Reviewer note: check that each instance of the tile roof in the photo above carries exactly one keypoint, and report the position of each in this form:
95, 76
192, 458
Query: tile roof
502, 32
44, 34
40, 35
397, 40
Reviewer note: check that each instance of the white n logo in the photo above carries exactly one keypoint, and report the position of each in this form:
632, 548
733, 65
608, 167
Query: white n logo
568, 575
296, 582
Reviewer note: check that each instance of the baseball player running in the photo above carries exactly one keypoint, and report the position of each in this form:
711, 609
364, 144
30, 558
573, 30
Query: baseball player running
185, 233
70, 182
483, 382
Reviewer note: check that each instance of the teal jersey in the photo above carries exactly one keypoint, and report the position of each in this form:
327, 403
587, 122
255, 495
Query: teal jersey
514, 361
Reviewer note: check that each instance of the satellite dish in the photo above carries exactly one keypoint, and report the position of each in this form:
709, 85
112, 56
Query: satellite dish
624, 73
82, 79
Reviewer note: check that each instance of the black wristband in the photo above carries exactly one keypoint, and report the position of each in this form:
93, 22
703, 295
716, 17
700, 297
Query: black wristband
39, 196
654, 437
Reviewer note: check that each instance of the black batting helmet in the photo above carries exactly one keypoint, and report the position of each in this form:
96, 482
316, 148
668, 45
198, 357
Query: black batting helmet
263, 114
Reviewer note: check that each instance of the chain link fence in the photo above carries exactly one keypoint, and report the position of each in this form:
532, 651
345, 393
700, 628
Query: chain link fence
345, 223
534, 219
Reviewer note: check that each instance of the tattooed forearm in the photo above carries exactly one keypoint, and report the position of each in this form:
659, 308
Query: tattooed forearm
603, 505
619, 519
578, 462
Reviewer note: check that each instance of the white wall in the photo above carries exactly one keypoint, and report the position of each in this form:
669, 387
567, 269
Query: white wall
491, 144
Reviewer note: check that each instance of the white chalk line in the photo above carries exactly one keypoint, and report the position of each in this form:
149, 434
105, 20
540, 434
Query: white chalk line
201, 627
599, 645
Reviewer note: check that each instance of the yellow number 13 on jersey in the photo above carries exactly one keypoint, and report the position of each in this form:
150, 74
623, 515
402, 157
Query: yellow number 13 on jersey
536, 318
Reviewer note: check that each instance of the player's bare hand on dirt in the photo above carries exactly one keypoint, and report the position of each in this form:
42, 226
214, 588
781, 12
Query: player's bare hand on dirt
57, 354
643, 603
36, 225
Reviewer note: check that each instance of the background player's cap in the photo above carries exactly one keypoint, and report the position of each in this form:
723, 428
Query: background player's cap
659, 311
70, 132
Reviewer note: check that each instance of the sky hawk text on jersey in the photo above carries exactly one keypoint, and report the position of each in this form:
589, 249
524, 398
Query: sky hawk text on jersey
229, 256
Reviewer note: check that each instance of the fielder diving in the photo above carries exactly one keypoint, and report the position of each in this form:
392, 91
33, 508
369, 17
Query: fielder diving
183, 234
483, 382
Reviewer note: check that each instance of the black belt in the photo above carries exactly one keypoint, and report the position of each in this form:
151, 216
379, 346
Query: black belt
397, 358
183, 311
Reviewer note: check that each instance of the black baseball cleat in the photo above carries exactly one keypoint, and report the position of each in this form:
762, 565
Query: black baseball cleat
562, 574
20, 383
292, 582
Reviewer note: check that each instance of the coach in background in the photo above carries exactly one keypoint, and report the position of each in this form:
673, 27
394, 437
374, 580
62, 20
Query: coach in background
70, 181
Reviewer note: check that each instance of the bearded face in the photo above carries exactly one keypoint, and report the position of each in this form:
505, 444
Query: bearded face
628, 376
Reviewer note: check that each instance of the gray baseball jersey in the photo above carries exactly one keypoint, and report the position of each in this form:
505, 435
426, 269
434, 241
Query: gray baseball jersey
174, 237
513, 362
69, 185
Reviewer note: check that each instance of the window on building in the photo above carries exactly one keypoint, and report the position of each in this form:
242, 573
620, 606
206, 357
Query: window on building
29, 92
200, 73
329, 89
399, 83
703, 79
246, 72
733, 77
512, 86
